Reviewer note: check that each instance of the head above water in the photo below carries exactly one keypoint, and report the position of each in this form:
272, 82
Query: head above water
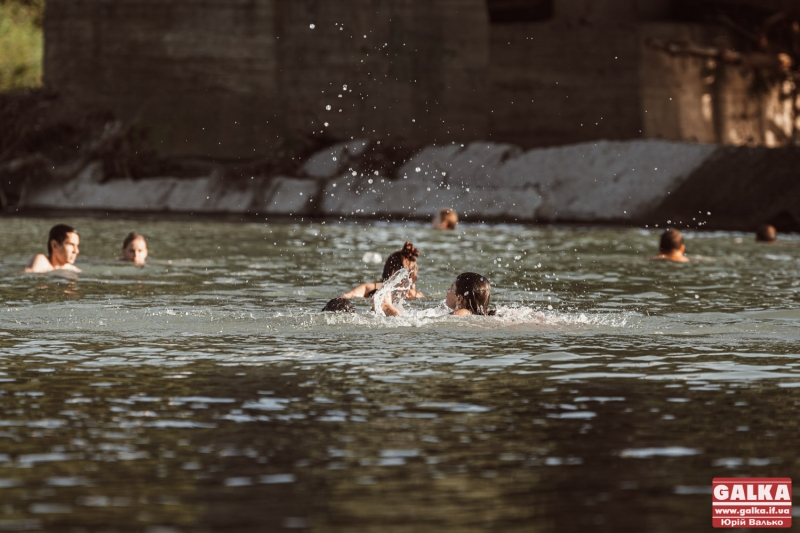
470, 291
766, 233
134, 248
671, 242
405, 258
58, 233
339, 305
446, 219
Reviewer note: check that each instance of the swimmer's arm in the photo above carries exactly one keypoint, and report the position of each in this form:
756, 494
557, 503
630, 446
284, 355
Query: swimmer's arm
415, 294
461, 312
39, 263
388, 309
362, 290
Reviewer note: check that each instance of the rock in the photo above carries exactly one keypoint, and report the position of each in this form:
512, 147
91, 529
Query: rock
207, 194
288, 196
470, 166
420, 197
641, 182
603, 180
330, 162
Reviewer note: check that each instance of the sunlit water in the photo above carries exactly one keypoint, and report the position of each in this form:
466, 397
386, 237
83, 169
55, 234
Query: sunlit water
207, 392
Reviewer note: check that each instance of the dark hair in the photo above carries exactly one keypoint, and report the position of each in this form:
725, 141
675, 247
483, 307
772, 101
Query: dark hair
132, 236
671, 240
398, 260
449, 218
58, 233
339, 305
476, 291
766, 233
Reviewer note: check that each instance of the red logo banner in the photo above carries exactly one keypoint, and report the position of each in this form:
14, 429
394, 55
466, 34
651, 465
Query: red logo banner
743, 502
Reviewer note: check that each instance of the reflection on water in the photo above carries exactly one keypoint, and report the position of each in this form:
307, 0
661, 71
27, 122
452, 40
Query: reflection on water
207, 392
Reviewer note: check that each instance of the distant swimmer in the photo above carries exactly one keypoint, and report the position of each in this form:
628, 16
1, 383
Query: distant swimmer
339, 305
469, 295
445, 219
405, 258
766, 233
134, 249
62, 250
671, 247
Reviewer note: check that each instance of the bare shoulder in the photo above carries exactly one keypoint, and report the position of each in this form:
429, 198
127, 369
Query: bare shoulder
39, 263
361, 291
461, 312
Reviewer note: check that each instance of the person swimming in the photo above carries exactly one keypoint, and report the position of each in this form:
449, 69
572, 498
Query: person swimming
445, 219
339, 305
134, 249
766, 233
671, 247
469, 295
405, 258
62, 250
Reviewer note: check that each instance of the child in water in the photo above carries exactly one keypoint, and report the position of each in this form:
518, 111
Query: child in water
405, 258
766, 233
339, 305
469, 295
671, 247
445, 219
134, 249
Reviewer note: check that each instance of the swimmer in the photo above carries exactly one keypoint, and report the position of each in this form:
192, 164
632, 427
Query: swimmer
469, 295
671, 247
134, 249
445, 219
405, 258
339, 305
766, 233
62, 250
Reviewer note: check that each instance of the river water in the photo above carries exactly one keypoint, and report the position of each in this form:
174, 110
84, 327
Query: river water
207, 392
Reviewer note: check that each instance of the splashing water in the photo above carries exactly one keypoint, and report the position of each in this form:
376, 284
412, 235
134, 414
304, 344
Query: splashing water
397, 286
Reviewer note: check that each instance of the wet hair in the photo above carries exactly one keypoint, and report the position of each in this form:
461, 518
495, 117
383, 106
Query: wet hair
132, 236
58, 233
397, 260
766, 233
671, 240
339, 305
476, 291
449, 218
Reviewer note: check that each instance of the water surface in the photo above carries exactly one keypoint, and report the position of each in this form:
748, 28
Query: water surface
206, 392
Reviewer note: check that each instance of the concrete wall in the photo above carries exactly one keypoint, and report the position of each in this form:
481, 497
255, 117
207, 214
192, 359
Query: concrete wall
699, 100
559, 82
238, 78
230, 78
412, 69
196, 70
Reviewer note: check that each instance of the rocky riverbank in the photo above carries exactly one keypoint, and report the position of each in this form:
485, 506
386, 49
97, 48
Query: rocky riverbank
627, 182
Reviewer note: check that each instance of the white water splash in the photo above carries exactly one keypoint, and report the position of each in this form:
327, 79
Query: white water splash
395, 288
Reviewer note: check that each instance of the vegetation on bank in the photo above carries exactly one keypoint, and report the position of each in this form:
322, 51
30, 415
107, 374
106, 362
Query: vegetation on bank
21, 43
